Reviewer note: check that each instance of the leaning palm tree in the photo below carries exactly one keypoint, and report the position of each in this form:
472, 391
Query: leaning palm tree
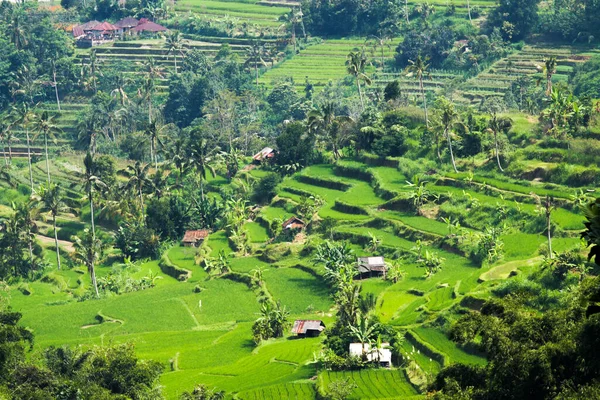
356, 63
447, 121
496, 125
17, 33
202, 159
175, 44
138, 180
419, 69
88, 251
24, 116
45, 125
50, 199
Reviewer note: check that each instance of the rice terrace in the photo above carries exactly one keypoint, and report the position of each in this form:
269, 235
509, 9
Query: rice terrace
299, 199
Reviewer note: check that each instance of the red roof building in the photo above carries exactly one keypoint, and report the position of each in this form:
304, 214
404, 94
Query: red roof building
128, 22
308, 327
104, 27
293, 223
148, 26
194, 238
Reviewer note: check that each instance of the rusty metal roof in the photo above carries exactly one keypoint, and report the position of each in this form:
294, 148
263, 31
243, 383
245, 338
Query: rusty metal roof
194, 236
368, 264
303, 325
293, 221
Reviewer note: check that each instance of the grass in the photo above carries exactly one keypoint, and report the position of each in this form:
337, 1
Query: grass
441, 342
373, 383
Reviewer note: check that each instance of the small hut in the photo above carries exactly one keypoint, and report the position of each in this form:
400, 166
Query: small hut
382, 355
293, 223
308, 327
371, 266
194, 238
264, 154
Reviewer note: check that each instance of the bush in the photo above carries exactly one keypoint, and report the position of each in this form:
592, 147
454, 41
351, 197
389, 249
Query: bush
267, 188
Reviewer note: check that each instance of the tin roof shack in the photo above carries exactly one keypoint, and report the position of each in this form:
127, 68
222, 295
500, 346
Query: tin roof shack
194, 238
383, 356
371, 266
264, 154
308, 327
293, 223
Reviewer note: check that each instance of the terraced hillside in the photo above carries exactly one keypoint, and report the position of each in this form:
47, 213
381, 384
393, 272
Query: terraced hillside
251, 12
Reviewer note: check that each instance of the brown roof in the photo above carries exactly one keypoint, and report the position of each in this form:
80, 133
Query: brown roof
89, 25
77, 31
104, 26
194, 236
303, 325
128, 22
267, 152
293, 222
368, 264
149, 26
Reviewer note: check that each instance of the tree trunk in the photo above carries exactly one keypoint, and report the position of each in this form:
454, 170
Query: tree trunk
362, 103
406, 10
47, 164
469, 9
56, 87
424, 101
202, 189
175, 64
29, 159
256, 69
294, 36
56, 240
549, 85
497, 152
9, 151
92, 270
549, 226
437, 146
151, 150
451, 152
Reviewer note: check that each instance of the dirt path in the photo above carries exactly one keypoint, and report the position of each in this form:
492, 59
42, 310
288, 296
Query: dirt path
49, 242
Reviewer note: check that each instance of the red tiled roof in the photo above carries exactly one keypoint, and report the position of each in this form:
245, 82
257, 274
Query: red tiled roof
104, 26
89, 25
194, 236
149, 26
77, 31
128, 22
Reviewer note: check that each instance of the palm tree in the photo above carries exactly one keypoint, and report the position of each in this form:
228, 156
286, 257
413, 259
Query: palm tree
291, 19
175, 44
88, 129
202, 159
256, 53
496, 125
50, 198
469, 10
54, 84
138, 181
16, 28
45, 125
90, 182
381, 42
178, 157
152, 72
448, 120
549, 69
419, 69
26, 213
88, 251
325, 122
6, 136
356, 63
154, 133
93, 68
24, 116
120, 81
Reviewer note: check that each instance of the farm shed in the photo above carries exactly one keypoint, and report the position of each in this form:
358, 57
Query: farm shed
265, 153
371, 266
383, 355
194, 238
293, 223
308, 327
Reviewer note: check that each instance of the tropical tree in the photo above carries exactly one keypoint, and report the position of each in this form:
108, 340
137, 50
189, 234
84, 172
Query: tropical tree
138, 180
50, 199
381, 42
7, 137
54, 83
45, 124
88, 129
419, 69
432, 262
24, 116
17, 32
496, 125
447, 121
202, 159
548, 70
152, 72
591, 234
364, 332
356, 63
90, 182
89, 250
175, 44
347, 300
290, 21
325, 123
256, 53
338, 259
94, 69
120, 81
155, 133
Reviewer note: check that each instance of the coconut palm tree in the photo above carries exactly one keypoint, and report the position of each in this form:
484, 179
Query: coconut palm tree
202, 159
447, 121
138, 180
175, 44
88, 129
419, 69
548, 70
380, 41
154, 133
469, 10
24, 116
256, 52
44, 124
290, 21
6, 137
356, 63
327, 124
496, 125
120, 82
152, 72
90, 182
51, 200
94, 69
17, 32
54, 83
89, 250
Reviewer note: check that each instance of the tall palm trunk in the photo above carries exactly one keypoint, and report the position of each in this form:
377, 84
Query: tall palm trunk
55, 87
151, 150
422, 87
47, 163
29, 159
362, 103
437, 146
56, 240
447, 133
294, 36
92, 270
469, 10
9, 151
548, 207
406, 10
175, 64
382, 59
497, 152
256, 69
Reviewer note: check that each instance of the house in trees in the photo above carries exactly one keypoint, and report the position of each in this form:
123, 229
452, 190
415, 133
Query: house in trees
293, 223
194, 238
371, 266
94, 33
371, 354
126, 25
264, 154
148, 28
308, 327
